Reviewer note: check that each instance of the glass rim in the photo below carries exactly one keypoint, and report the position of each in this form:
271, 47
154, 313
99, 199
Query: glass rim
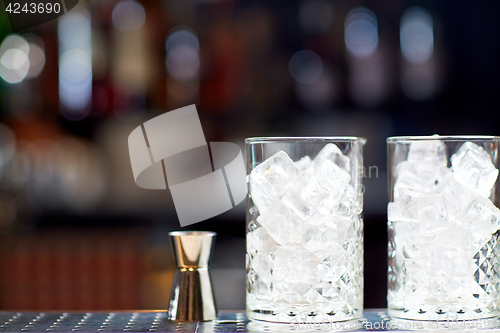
191, 233
402, 139
292, 139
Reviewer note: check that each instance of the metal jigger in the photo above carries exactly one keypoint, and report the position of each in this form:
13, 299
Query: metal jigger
192, 298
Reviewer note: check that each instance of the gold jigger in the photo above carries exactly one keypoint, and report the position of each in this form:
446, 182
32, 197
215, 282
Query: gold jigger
192, 298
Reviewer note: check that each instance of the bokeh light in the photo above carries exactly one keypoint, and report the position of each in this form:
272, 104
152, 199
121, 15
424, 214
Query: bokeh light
305, 66
75, 63
74, 28
14, 59
416, 35
128, 15
75, 79
14, 42
361, 32
36, 60
182, 35
183, 60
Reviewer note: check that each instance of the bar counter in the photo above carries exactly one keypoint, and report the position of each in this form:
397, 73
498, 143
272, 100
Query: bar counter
227, 321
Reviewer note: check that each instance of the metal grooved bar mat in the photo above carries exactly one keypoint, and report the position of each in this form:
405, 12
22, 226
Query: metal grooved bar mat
373, 320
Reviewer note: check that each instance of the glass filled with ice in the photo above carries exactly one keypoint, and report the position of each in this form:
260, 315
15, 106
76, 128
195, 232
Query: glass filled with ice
443, 223
304, 229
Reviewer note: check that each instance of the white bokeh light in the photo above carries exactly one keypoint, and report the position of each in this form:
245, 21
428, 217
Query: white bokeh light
75, 79
361, 32
14, 59
75, 66
128, 15
14, 42
75, 63
74, 28
416, 35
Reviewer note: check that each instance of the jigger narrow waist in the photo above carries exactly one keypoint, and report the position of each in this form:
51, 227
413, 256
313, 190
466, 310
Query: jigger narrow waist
192, 269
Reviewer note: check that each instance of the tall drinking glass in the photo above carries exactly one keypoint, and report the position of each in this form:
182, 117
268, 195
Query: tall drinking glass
304, 229
443, 224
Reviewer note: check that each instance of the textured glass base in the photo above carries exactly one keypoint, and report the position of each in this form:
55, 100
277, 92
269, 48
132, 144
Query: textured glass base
441, 279
321, 281
298, 317
436, 313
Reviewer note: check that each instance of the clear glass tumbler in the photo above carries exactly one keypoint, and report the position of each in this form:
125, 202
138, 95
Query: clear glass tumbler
443, 224
304, 229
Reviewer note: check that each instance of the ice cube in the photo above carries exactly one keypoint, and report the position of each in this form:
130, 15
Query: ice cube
347, 205
423, 176
394, 212
262, 265
260, 241
469, 146
261, 284
318, 237
432, 214
330, 152
473, 168
262, 191
354, 228
455, 195
332, 266
407, 201
332, 178
304, 163
269, 179
293, 264
400, 154
304, 195
455, 239
482, 217
282, 223
430, 151
456, 246
405, 233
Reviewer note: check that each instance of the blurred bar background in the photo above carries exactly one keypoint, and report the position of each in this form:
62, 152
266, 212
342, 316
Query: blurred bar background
78, 234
